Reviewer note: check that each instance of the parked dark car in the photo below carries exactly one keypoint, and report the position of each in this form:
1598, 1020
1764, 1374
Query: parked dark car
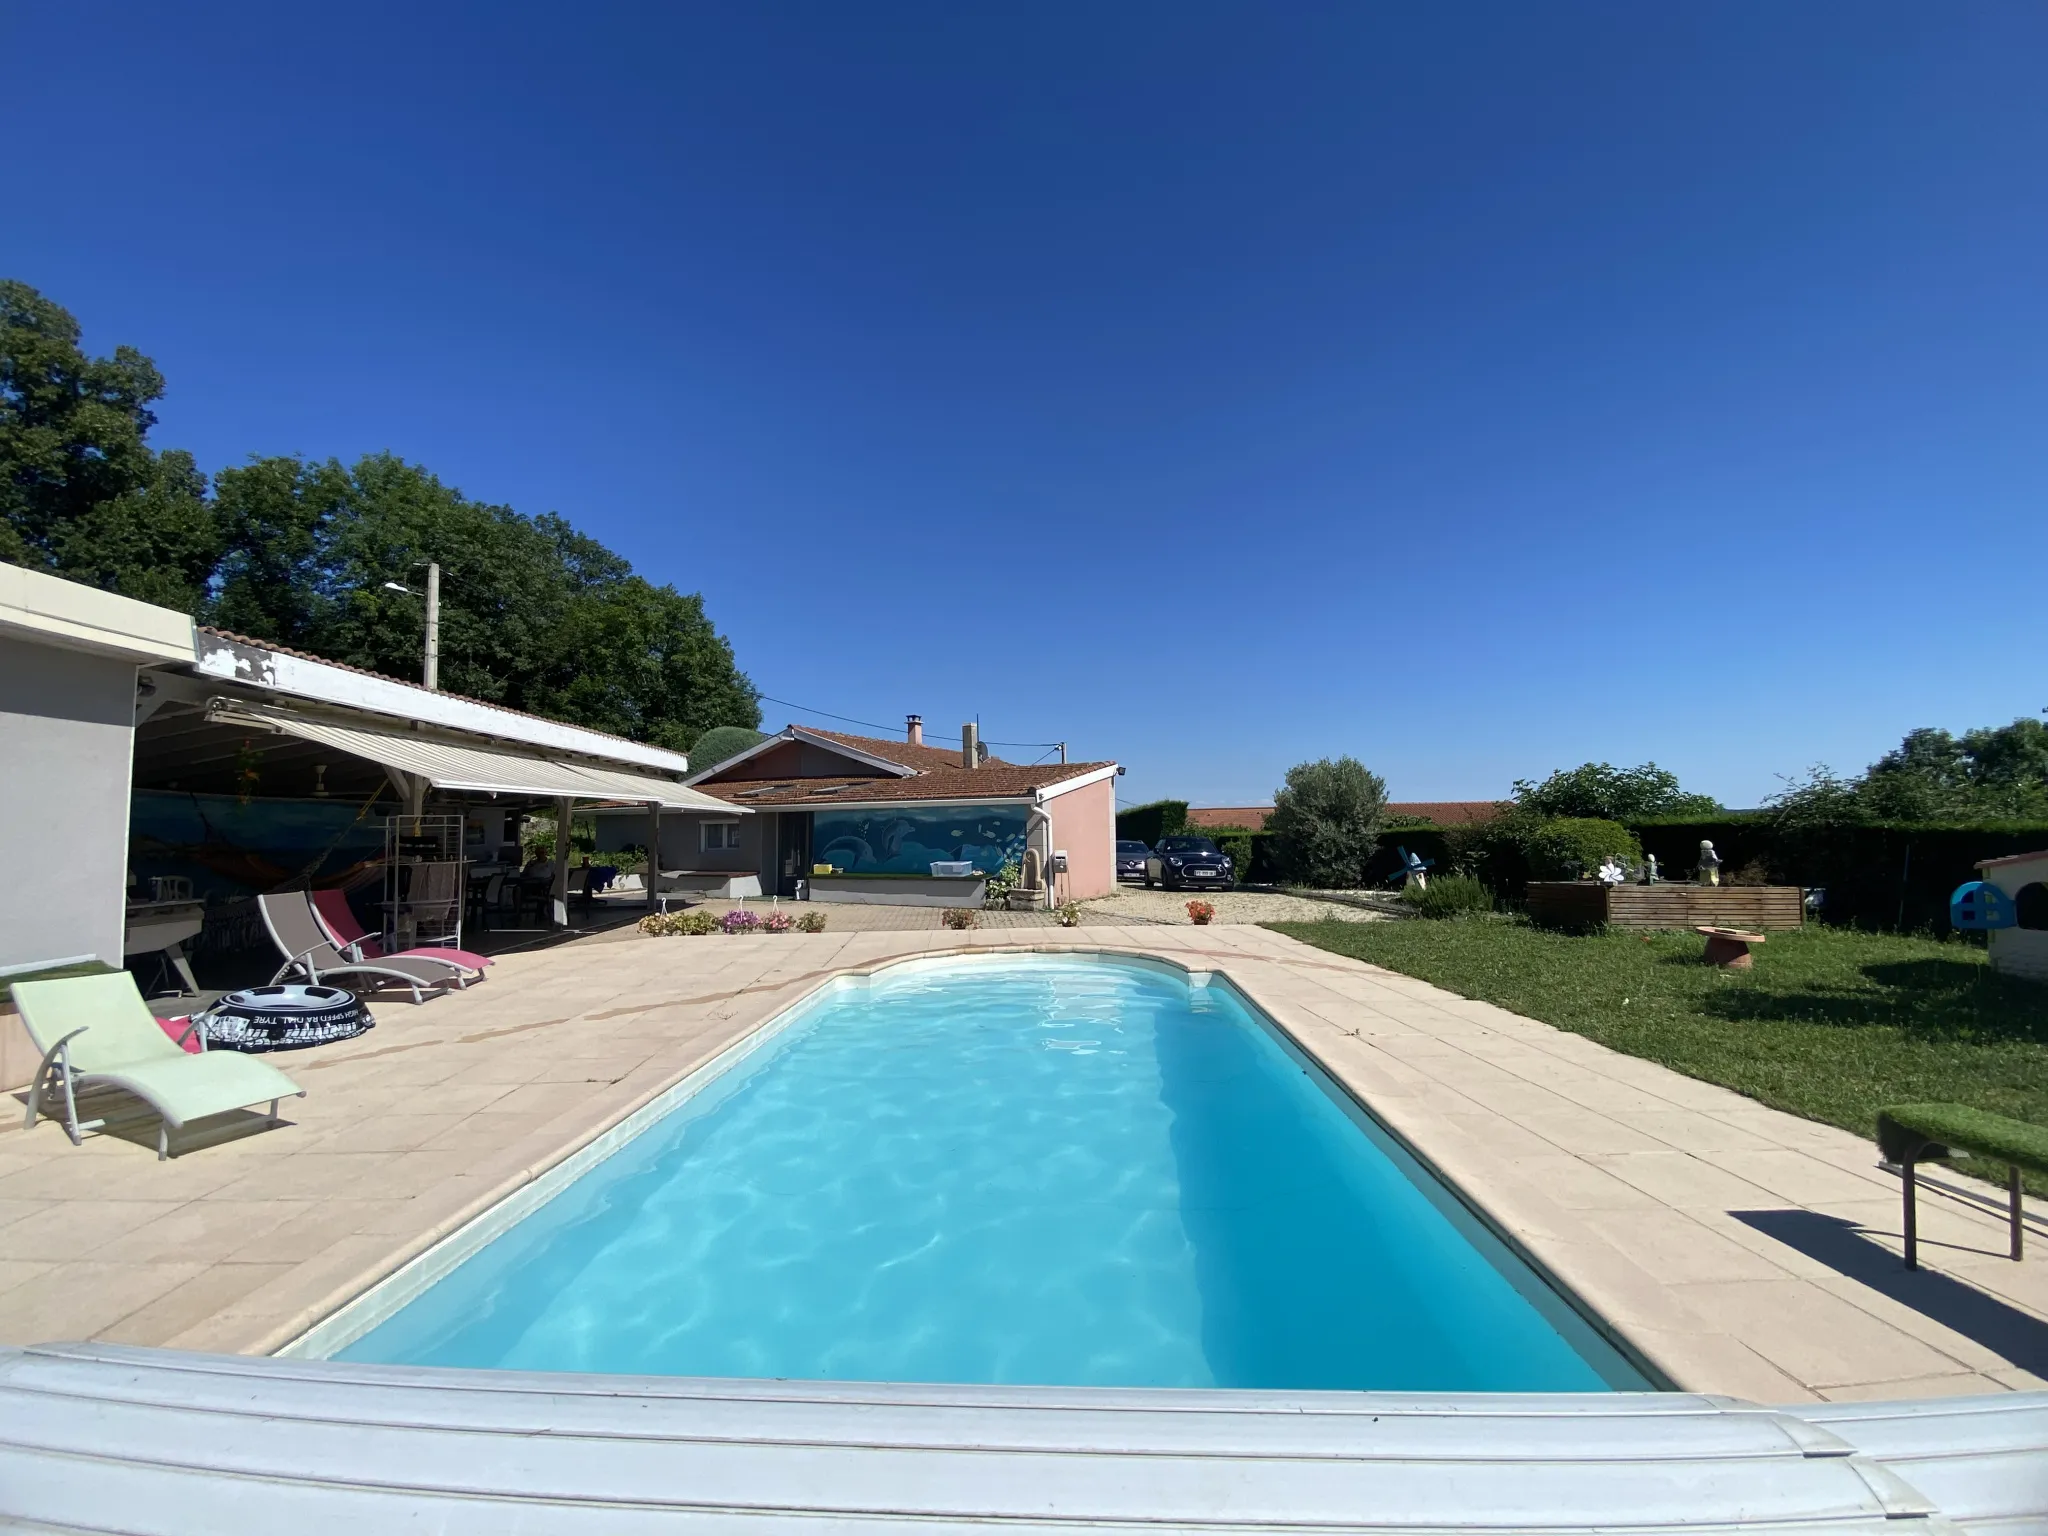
1130, 858
1179, 862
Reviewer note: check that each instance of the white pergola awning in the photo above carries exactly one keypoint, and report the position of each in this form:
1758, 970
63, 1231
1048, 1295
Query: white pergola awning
477, 770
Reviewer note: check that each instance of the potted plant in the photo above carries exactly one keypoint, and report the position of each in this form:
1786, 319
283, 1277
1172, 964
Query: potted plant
811, 922
740, 920
1069, 915
778, 921
960, 917
1201, 913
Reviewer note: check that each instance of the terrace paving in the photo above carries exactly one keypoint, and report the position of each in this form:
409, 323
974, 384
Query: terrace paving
1737, 1249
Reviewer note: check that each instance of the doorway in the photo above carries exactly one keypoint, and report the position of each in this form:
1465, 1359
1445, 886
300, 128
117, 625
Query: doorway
793, 850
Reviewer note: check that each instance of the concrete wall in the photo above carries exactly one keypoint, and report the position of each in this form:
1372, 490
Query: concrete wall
682, 839
67, 741
1084, 824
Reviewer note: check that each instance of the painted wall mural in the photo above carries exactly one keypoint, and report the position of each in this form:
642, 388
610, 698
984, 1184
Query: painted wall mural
910, 839
231, 848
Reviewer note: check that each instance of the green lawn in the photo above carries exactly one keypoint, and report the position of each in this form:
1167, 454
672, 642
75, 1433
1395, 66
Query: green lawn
1830, 1023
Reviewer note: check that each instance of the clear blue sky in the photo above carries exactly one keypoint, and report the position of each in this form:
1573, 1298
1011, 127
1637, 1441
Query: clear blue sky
1475, 389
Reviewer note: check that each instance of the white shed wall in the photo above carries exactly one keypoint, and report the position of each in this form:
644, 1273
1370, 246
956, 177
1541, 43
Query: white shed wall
67, 740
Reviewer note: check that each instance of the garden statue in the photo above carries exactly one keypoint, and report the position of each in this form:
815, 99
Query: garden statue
1710, 863
1414, 870
1649, 869
1611, 872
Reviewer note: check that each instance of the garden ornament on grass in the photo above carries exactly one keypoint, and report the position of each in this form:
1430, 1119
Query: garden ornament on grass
1710, 863
1412, 870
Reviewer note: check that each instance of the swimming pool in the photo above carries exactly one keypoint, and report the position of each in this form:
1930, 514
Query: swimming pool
1057, 1169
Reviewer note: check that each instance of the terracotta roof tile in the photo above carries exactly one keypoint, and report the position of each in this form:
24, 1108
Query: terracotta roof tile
1007, 782
1446, 813
897, 750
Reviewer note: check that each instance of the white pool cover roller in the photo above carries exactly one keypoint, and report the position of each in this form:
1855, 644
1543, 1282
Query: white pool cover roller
106, 1438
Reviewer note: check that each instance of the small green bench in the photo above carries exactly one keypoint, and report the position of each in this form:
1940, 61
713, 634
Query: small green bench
1906, 1133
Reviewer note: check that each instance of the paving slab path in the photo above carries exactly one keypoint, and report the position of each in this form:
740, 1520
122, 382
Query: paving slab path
1735, 1248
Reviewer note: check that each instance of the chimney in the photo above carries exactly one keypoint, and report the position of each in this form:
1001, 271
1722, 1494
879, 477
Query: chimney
970, 745
913, 729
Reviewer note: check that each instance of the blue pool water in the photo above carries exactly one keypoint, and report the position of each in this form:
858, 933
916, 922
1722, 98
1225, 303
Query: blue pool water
1065, 1170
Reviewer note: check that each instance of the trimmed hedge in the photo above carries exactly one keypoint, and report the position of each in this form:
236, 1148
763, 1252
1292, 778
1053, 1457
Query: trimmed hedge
1150, 822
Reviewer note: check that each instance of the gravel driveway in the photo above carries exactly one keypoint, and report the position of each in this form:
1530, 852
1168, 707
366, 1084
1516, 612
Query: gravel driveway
1136, 903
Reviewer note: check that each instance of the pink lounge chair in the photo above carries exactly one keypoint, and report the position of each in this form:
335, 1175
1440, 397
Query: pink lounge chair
358, 943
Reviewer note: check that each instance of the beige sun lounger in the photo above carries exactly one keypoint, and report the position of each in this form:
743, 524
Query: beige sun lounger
96, 1031
308, 950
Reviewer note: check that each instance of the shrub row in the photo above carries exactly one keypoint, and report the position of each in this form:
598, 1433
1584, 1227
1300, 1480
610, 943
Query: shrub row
1150, 822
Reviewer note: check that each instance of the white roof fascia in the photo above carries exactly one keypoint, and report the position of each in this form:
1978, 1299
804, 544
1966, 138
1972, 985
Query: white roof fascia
1079, 781
52, 611
300, 677
475, 769
791, 733
826, 803
755, 750
900, 770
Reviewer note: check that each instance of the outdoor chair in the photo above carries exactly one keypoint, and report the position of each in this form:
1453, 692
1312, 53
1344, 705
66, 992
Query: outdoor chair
96, 1031
307, 950
356, 942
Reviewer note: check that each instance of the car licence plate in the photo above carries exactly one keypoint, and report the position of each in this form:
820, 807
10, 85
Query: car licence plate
1203, 874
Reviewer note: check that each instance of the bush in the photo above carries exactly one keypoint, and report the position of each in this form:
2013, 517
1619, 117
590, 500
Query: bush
1449, 896
1572, 847
1603, 792
721, 742
960, 917
1150, 822
1326, 821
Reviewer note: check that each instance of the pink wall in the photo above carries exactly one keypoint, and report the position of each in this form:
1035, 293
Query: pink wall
1084, 824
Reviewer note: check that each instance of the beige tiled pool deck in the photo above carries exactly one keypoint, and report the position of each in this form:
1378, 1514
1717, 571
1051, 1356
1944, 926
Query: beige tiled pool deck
1738, 1249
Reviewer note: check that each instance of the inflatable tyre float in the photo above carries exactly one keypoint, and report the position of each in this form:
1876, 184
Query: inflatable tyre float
283, 1018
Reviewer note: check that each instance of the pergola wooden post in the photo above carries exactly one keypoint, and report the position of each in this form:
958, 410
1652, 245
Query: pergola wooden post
561, 888
653, 850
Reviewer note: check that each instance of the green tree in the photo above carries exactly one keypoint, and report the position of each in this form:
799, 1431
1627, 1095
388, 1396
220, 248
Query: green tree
720, 742
1932, 776
1326, 821
1603, 792
158, 542
80, 492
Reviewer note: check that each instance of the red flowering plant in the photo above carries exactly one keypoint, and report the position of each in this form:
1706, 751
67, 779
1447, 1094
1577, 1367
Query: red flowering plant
1200, 912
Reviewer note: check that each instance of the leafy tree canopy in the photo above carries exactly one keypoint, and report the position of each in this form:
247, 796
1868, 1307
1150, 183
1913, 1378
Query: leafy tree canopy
1603, 792
721, 742
1326, 821
1991, 773
534, 615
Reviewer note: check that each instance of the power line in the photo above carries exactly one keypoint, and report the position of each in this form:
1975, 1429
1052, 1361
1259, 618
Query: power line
848, 719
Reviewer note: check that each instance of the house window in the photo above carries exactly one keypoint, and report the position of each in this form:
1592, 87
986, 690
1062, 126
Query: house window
719, 835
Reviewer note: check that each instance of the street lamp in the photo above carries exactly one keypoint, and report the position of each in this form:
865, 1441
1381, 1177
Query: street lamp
432, 668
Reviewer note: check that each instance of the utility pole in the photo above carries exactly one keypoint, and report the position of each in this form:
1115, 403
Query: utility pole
1063, 751
433, 668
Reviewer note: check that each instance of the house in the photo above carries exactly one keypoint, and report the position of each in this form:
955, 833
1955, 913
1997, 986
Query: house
880, 813
2021, 950
146, 754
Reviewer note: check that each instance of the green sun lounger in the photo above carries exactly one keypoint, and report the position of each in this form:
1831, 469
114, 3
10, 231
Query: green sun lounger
96, 1031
